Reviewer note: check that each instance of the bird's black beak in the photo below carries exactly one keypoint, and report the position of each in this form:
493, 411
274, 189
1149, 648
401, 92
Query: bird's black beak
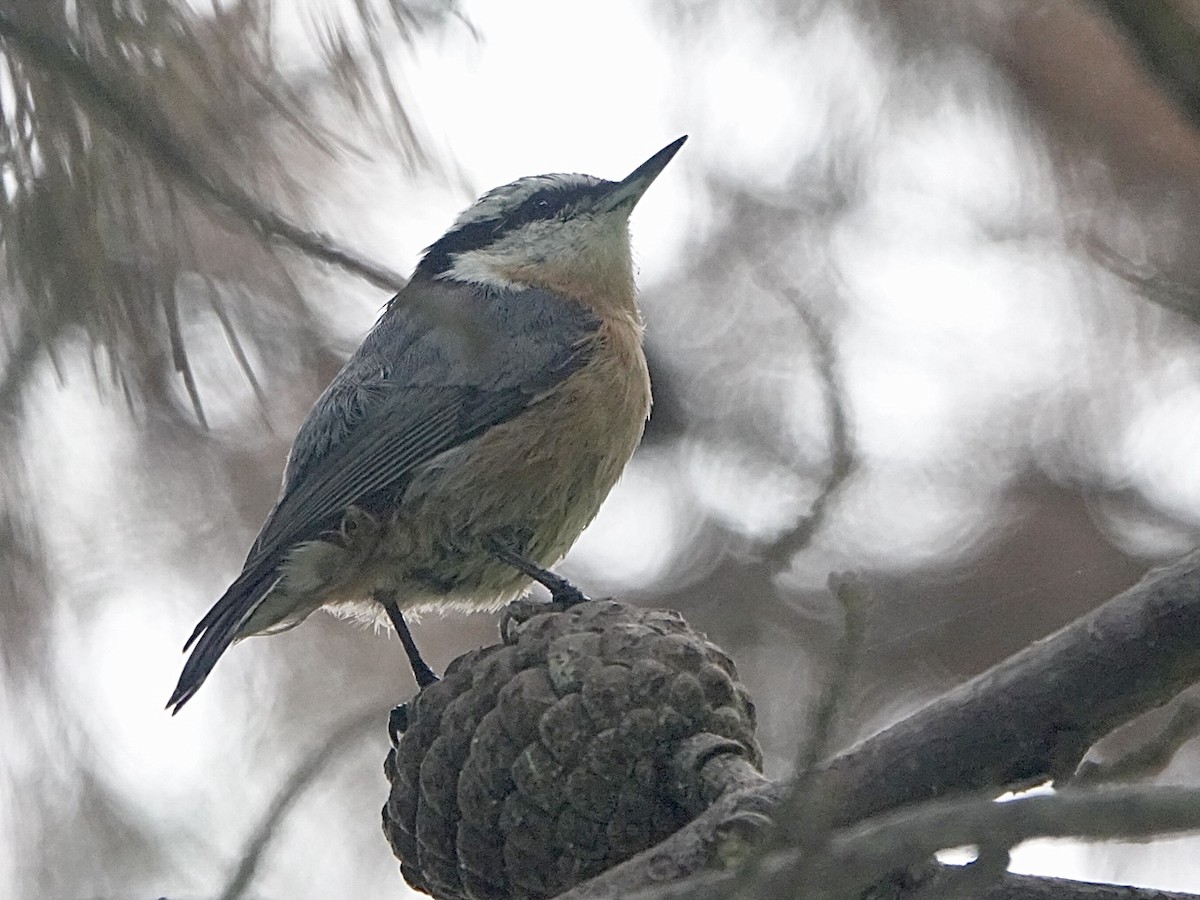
629, 190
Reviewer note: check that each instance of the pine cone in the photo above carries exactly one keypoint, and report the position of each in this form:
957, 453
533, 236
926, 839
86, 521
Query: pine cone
588, 735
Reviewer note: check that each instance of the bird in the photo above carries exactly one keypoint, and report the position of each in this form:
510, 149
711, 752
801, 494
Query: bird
471, 437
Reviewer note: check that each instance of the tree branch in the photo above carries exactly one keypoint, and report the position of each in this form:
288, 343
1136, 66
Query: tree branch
1028, 887
1032, 717
1028, 719
352, 729
863, 856
1156, 750
1168, 45
842, 460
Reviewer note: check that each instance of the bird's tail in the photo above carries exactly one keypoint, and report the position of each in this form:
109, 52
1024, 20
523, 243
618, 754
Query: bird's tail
219, 628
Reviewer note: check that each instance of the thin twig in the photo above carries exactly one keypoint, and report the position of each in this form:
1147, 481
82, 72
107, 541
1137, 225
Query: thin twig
1149, 282
126, 111
854, 597
804, 821
841, 446
351, 730
1150, 756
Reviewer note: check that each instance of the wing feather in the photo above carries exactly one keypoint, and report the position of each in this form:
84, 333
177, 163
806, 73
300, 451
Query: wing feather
415, 389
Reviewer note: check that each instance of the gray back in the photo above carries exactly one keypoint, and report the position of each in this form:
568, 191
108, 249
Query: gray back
445, 361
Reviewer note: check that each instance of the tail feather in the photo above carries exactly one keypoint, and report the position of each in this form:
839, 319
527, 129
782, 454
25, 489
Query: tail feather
206, 623
218, 629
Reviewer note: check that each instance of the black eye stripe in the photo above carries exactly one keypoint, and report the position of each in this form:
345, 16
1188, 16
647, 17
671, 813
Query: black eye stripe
546, 204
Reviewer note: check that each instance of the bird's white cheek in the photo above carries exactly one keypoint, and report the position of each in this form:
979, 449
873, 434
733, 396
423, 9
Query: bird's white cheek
484, 267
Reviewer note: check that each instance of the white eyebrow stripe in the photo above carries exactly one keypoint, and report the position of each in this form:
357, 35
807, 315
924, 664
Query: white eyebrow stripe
509, 196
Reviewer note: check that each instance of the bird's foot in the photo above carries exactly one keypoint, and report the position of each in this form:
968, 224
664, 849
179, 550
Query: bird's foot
420, 669
567, 594
561, 590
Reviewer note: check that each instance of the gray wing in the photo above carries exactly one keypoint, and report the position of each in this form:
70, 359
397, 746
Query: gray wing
443, 364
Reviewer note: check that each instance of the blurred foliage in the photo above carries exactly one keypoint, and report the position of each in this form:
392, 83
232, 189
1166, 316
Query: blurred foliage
1164, 35
903, 335
131, 133
155, 159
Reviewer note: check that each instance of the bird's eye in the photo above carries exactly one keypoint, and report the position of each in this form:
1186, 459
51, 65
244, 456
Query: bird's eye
543, 204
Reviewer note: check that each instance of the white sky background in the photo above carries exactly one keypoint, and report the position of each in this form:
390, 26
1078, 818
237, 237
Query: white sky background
945, 332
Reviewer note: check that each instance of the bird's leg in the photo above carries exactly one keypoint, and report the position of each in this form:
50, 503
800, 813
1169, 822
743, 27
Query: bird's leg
420, 668
561, 590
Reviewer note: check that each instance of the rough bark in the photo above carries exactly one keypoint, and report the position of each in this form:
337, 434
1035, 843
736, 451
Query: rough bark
1027, 720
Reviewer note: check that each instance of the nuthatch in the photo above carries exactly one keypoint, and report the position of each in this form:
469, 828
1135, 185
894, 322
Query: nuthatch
472, 436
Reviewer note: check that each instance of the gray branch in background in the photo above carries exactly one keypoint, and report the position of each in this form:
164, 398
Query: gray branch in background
123, 110
861, 855
841, 443
353, 729
1028, 887
1167, 43
1033, 717
1025, 721
804, 824
1158, 745
895, 847
1148, 280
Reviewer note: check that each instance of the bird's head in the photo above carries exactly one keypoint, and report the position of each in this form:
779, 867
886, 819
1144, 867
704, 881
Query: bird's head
564, 233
